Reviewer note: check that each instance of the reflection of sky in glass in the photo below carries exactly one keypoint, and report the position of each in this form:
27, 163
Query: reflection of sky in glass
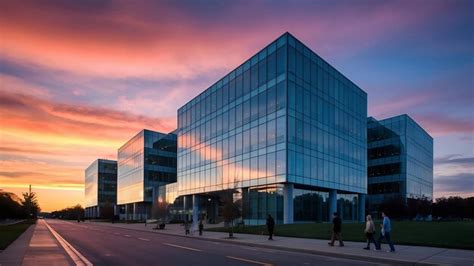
235, 133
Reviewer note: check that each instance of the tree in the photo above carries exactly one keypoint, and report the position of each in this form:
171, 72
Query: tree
454, 208
69, 213
230, 208
30, 204
11, 206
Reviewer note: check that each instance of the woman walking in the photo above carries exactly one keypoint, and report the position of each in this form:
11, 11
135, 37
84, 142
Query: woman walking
369, 232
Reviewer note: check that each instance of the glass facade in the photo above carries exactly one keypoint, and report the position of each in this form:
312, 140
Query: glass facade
100, 186
400, 159
101, 183
283, 116
146, 161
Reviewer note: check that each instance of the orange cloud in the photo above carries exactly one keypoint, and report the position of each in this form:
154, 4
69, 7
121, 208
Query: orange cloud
49, 144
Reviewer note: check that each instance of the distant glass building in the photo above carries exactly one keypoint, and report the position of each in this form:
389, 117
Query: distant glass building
284, 133
400, 160
145, 162
100, 188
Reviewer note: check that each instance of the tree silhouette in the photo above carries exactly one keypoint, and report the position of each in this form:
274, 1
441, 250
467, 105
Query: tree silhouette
30, 204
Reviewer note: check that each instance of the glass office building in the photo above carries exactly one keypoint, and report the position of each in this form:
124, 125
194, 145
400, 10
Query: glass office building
100, 187
146, 161
400, 160
285, 133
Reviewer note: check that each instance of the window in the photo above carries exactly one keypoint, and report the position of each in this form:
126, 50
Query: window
281, 60
254, 138
281, 162
254, 77
238, 86
271, 99
262, 166
281, 95
271, 132
262, 104
238, 115
238, 144
254, 107
246, 141
271, 164
246, 82
246, 112
262, 72
271, 67
262, 135
281, 129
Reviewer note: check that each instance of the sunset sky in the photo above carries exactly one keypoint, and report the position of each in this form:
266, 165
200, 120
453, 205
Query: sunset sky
79, 78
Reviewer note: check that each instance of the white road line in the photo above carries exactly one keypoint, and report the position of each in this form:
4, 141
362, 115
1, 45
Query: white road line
77, 257
177, 246
249, 261
144, 239
127, 235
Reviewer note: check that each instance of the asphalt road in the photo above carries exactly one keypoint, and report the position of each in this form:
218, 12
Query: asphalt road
103, 245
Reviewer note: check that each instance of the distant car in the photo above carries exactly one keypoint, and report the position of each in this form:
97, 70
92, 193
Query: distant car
40, 217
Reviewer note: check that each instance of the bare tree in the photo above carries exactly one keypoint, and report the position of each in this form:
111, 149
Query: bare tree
231, 210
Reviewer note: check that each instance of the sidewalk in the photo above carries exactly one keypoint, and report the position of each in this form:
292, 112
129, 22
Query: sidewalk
351, 250
44, 249
15, 252
36, 246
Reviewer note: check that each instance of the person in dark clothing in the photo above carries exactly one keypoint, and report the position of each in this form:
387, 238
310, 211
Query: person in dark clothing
186, 227
201, 227
270, 226
336, 230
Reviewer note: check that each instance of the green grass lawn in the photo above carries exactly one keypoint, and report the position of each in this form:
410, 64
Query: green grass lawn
9, 233
436, 234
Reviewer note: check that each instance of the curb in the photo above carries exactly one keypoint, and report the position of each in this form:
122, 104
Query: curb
298, 250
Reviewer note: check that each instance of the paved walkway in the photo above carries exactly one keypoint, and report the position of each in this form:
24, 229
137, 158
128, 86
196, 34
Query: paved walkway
404, 254
37, 246
44, 249
15, 252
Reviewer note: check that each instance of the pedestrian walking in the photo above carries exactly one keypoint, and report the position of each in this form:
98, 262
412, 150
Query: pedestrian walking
186, 227
369, 232
201, 227
385, 233
270, 226
336, 230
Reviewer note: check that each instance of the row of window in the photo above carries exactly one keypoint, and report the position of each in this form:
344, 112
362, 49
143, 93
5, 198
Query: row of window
267, 69
338, 144
310, 75
385, 188
325, 111
382, 152
160, 160
160, 177
261, 136
266, 165
258, 106
385, 169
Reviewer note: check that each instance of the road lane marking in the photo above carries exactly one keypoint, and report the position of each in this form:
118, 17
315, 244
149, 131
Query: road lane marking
177, 246
144, 239
127, 235
250, 261
77, 257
